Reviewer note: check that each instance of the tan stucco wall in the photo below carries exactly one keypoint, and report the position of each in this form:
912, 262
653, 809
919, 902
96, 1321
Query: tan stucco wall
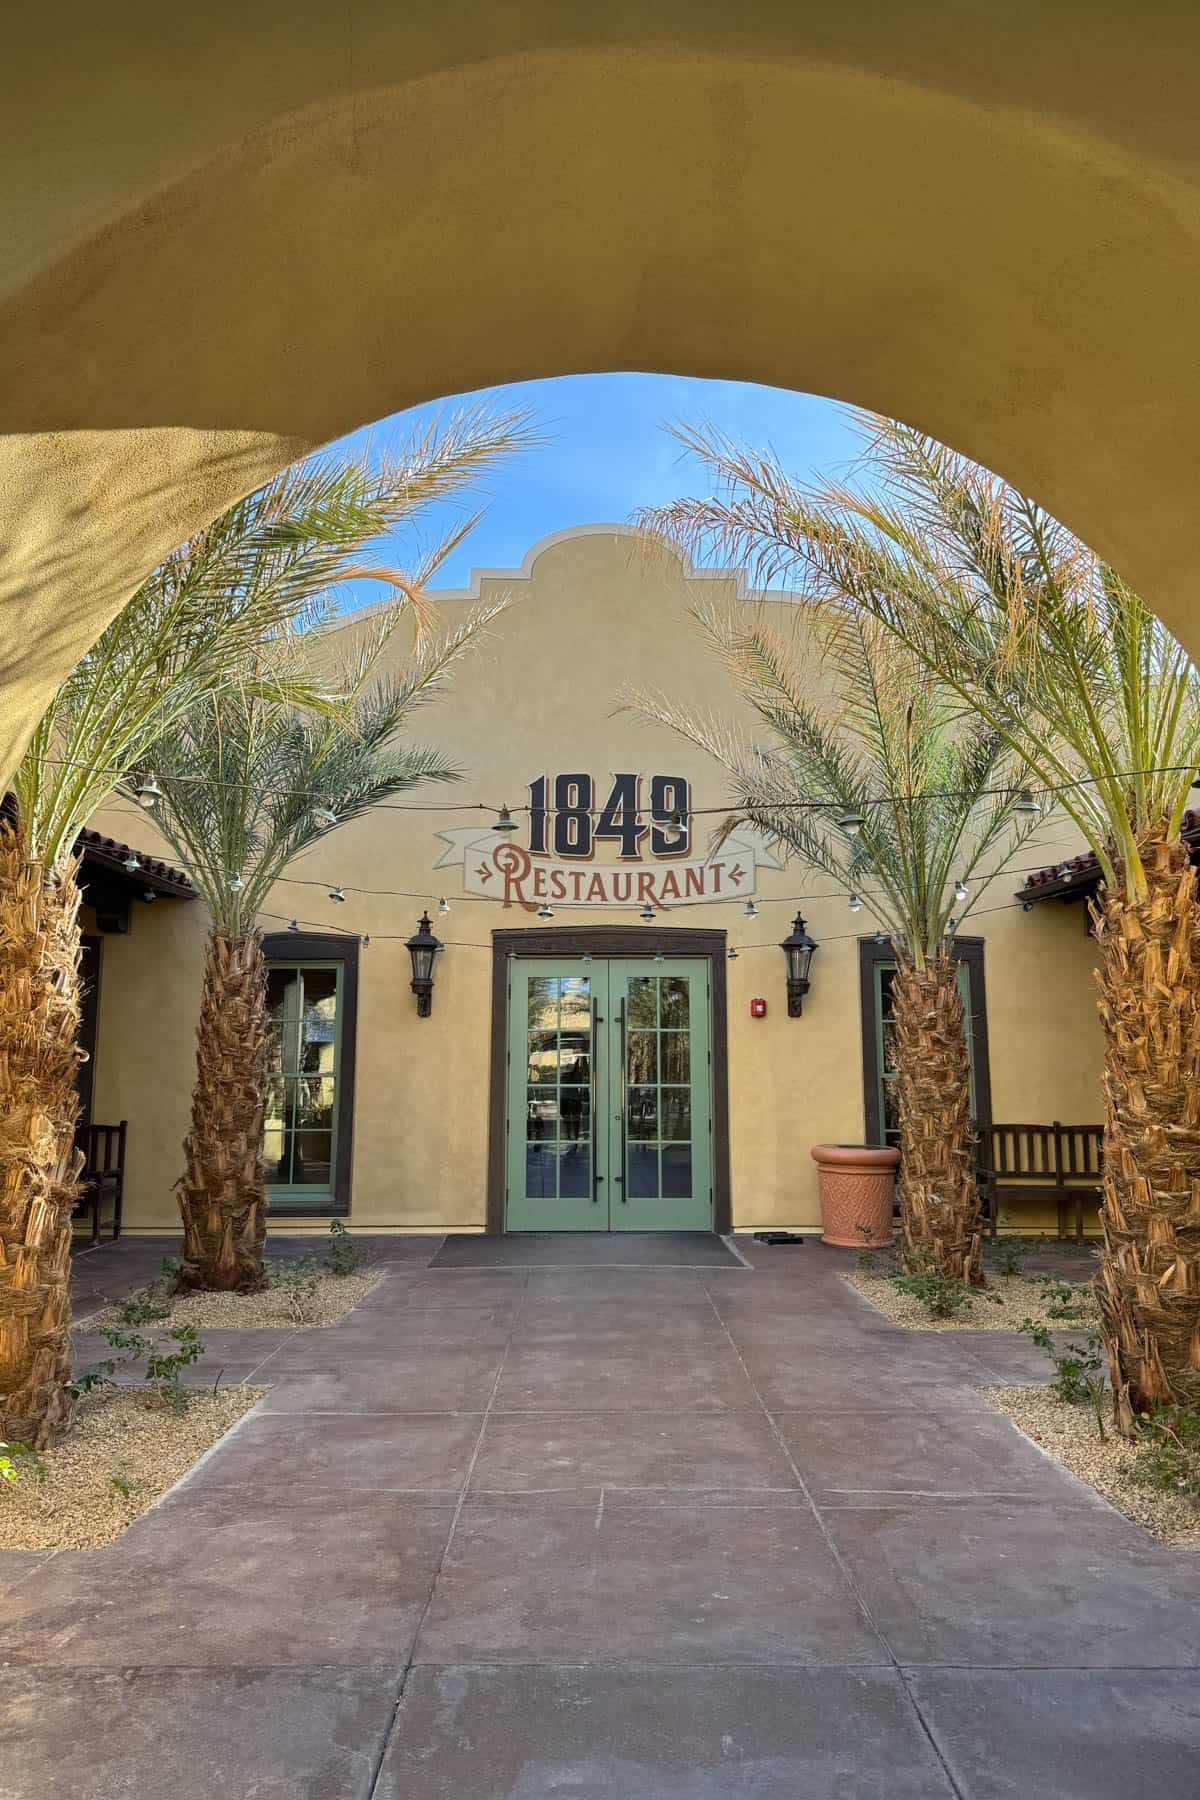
590, 615
229, 232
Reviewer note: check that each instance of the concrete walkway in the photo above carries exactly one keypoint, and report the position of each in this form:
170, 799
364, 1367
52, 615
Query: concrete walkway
607, 1534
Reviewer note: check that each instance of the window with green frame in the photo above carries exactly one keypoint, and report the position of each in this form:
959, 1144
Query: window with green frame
300, 1142
879, 1037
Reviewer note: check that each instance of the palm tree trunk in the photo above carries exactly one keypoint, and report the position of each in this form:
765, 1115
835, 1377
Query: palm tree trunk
1149, 1279
222, 1196
940, 1223
39, 1163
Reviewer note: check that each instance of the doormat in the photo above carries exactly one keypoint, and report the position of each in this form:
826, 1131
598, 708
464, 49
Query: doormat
585, 1249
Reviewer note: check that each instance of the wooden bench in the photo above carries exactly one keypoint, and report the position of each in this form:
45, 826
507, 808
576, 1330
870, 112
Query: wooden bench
1055, 1161
103, 1173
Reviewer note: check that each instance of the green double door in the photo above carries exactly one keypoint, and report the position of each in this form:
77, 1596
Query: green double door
609, 1111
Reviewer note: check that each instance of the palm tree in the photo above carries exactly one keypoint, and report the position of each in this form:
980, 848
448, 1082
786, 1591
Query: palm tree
249, 782
1055, 654
187, 631
875, 779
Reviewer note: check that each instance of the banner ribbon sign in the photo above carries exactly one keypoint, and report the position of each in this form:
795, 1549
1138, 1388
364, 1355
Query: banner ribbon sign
497, 869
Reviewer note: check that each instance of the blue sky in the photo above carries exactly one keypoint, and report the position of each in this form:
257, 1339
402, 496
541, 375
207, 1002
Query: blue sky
607, 453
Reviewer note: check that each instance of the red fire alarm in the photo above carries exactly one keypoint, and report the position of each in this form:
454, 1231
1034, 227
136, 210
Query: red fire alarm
758, 1009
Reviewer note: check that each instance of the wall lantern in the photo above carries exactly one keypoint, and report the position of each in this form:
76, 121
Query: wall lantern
422, 946
798, 949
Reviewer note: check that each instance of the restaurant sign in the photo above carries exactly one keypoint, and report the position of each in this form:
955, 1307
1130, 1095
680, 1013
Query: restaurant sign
635, 846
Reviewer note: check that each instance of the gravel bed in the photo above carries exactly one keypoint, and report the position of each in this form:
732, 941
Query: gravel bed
1004, 1305
283, 1306
130, 1434
1069, 1435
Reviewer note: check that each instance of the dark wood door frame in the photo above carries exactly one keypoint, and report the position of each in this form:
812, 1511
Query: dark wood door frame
968, 950
609, 940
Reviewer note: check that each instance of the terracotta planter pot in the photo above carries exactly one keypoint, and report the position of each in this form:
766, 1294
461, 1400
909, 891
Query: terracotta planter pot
856, 1190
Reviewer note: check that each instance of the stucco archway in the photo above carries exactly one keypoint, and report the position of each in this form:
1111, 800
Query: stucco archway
230, 237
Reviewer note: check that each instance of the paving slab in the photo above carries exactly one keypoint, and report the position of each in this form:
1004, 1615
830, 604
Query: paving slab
599, 1375
958, 1450
585, 1287
539, 1581
220, 1578
1016, 1582
624, 1321
193, 1734
658, 1734
1065, 1734
383, 1379
399, 1452
565, 1249
530, 1452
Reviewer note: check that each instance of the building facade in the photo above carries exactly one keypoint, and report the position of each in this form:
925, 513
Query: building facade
608, 1043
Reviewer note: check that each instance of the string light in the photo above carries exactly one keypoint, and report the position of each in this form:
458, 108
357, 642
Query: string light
545, 912
647, 912
659, 957
850, 821
148, 894
854, 903
132, 862
1025, 802
148, 793
732, 954
443, 905
293, 924
236, 884
365, 940
960, 889
335, 893
504, 823
324, 815
750, 911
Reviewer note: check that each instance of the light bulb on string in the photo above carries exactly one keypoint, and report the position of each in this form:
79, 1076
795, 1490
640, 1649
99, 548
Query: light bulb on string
324, 815
148, 894
587, 957
293, 924
659, 957
148, 793
545, 912
854, 903
750, 911
335, 893
365, 940
850, 821
647, 912
1025, 802
443, 906
504, 822
732, 954
132, 862
960, 889
880, 938
236, 884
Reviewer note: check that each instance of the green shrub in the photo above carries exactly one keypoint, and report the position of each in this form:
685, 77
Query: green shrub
942, 1296
1169, 1454
344, 1257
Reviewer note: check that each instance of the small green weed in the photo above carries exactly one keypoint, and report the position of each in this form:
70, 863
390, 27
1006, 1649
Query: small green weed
163, 1367
18, 1460
1169, 1457
1010, 1255
344, 1256
1077, 1377
1062, 1300
122, 1485
942, 1296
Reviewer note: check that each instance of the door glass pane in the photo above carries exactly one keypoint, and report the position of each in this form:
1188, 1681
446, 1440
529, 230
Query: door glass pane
675, 1108
283, 1019
677, 1170
574, 1113
575, 1172
310, 1158
643, 1172
673, 1000
643, 1002
643, 1056
675, 1056
541, 1161
314, 1101
576, 1004
542, 1113
543, 1057
543, 1002
642, 1104
274, 1165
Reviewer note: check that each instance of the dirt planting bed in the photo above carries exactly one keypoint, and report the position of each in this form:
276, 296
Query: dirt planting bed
321, 1299
1069, 1435
1003, 1306
124, 1450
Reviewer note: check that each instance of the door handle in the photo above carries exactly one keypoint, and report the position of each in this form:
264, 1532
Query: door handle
592, 1119
621, 1035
